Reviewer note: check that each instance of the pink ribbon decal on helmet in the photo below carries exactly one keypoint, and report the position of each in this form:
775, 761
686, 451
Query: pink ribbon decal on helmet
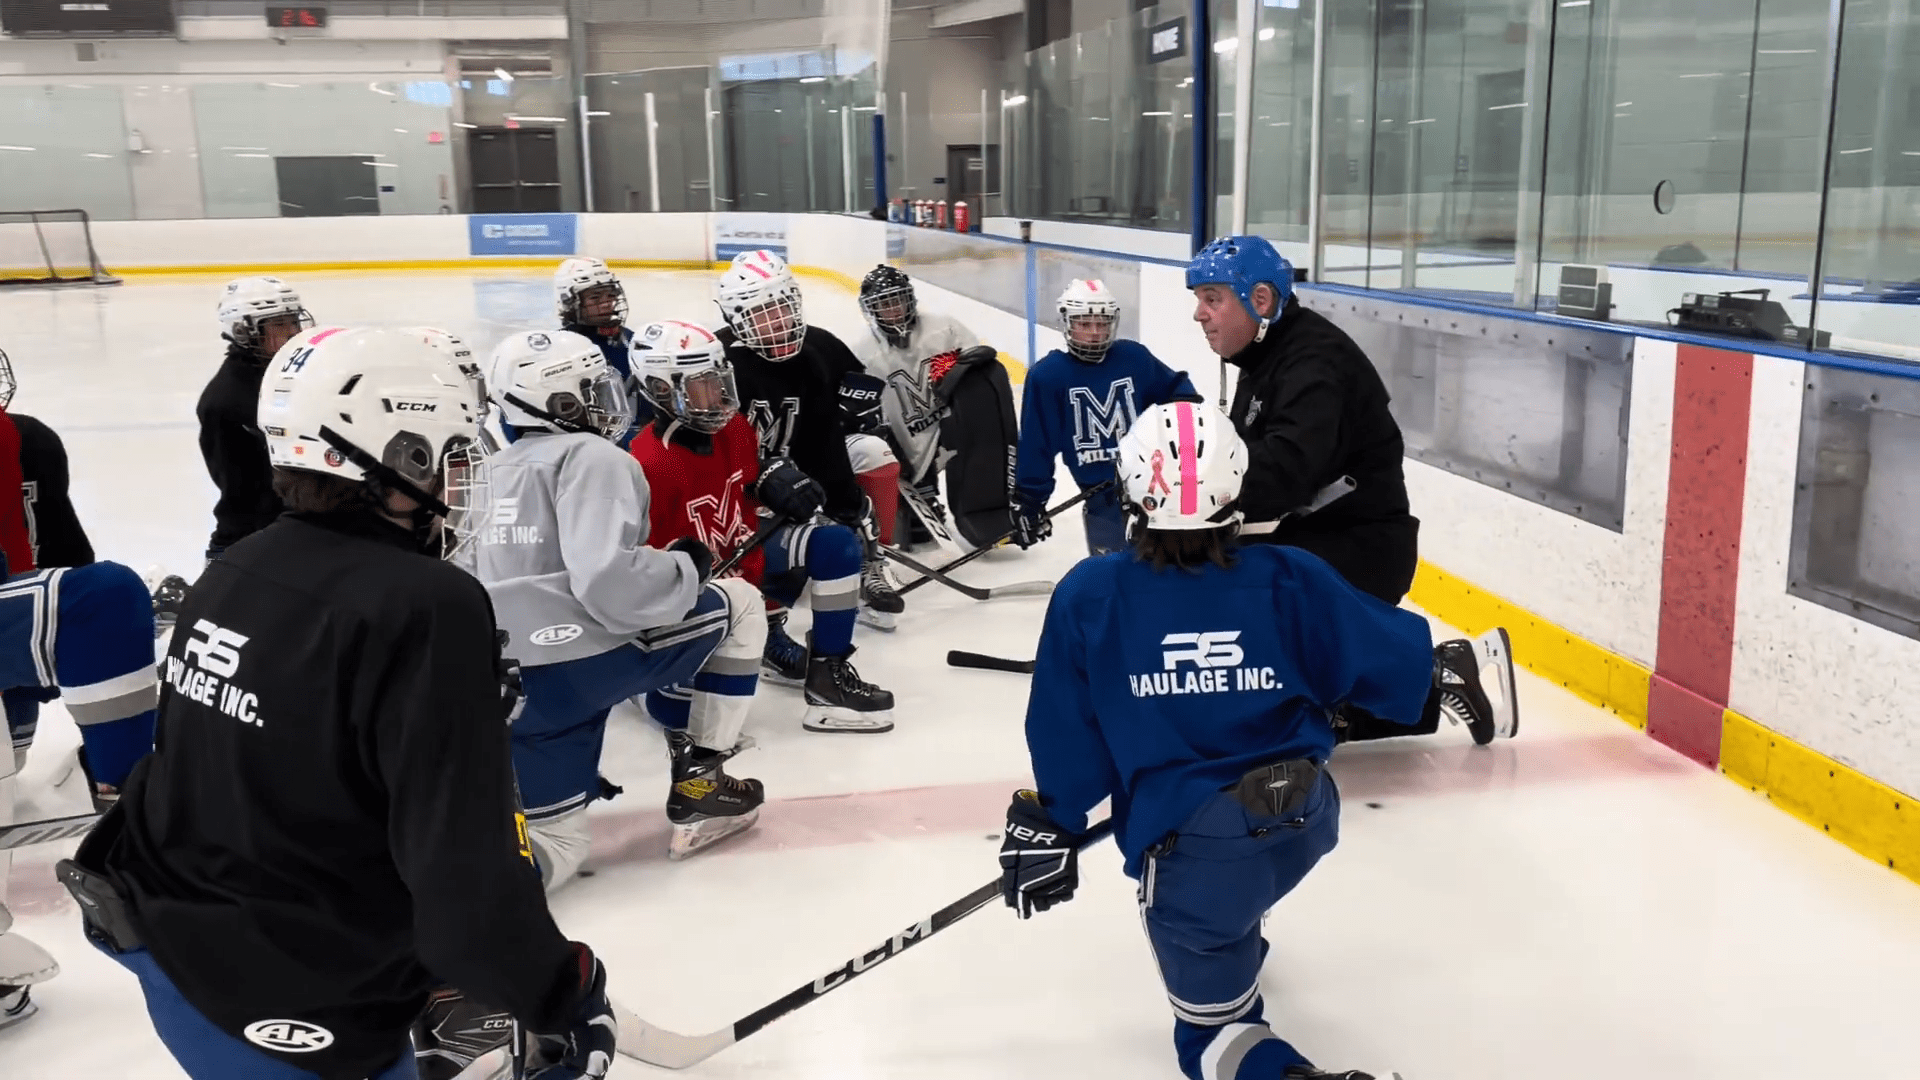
1159, 459
1189, 460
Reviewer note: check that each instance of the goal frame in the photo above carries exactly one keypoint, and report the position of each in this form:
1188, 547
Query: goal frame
94, 273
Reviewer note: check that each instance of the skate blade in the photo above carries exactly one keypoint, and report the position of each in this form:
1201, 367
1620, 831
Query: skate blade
778, 678
26, 1008
884, 621
1494, 649
695, 837
827, 719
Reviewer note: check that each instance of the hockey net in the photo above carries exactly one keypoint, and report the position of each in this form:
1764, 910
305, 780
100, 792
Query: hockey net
49, 247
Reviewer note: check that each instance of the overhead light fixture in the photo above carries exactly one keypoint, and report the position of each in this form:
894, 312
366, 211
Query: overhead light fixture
814, 79
285, 85
505, 75
1266, 33
375, 87
1015, 100
537, 119
27, 149
469, 127
1226, 46
598, 112
1168, 113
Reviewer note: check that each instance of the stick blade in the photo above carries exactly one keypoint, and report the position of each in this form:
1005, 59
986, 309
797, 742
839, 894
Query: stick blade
963, 659
644, 1042
1021, 588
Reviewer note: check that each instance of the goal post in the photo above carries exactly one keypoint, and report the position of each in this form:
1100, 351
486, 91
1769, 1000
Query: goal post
49, 247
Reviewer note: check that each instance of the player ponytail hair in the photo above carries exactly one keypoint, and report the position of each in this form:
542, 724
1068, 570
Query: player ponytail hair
1186, 549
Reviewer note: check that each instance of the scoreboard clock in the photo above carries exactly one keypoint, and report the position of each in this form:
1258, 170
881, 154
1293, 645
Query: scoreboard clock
296, 17
87, 18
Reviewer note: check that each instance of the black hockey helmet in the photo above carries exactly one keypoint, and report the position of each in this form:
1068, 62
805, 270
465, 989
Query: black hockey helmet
886, 295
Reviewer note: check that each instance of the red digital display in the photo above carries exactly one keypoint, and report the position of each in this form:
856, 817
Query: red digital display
297, 17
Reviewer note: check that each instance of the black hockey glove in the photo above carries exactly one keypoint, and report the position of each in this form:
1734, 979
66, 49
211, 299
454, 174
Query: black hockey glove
697, 551
860, 408
1039, 861
585, 1050
1030, 525
453, 1031
787, 491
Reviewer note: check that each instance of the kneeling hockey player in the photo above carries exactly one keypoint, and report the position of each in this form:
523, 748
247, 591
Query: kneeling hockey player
1190, 680
702, 464
595, 616
1078, 404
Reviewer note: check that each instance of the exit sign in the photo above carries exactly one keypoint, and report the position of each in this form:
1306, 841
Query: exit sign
302, 17
1168, 41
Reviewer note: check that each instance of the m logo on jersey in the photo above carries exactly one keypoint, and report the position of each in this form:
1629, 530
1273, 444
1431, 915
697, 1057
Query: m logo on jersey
1098, 423
718, 523
922, 408
775, 422
214, 649
1217, 667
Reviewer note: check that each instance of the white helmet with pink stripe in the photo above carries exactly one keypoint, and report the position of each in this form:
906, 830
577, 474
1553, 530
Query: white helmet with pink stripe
1180, 466
761, 303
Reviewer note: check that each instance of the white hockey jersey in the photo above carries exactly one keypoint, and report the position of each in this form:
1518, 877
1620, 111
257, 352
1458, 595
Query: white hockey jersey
912, 409
565, 556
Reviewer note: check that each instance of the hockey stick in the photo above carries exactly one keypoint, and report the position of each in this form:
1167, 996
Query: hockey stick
1018, 588
45, 832
760, 536
918, 507
962, 658
984, 548
657, 1046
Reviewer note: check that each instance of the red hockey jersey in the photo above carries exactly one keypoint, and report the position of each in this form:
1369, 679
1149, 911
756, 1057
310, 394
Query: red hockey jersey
704, 495
15, 540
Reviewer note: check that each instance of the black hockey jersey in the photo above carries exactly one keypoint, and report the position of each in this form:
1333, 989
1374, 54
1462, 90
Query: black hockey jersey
794, 405
235, 449
327, 826
52, 527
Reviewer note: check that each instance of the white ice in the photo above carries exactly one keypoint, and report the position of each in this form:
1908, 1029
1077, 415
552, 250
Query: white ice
1577, 904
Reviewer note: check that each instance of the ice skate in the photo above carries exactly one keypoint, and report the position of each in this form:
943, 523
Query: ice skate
839, 700
22, 964
169, 592
1463, 697
880, 603
784, 660
705, 805
1308, 1072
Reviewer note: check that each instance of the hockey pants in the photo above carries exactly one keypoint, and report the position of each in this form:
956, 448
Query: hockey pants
1203, 891
827, 556
85, 633
207, 1053
698, 674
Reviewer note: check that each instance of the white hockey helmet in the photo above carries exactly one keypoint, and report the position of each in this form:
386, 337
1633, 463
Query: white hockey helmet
1089, 316
585, 293
683, 370
7, 383
449, 345
761, 303
250, 302
558, 380
371, 404
1180, 467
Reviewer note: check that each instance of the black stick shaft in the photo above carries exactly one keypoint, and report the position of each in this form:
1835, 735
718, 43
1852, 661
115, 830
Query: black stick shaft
760, 535
892, 947
926, 571
1008, 535
963, 658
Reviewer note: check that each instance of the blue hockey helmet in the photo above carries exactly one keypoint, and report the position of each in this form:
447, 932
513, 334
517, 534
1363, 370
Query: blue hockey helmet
1240, 263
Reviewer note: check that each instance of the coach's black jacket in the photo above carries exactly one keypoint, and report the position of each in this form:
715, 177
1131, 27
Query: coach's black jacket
1312, 409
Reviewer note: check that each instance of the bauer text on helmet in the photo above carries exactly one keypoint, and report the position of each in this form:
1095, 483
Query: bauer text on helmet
556, 380
683, 371
1181, 465
1089, 317
761, 303
1240, 285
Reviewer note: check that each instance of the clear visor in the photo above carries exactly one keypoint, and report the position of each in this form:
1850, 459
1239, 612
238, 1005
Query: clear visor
601, 404
702, 400
775, 329
1089, 336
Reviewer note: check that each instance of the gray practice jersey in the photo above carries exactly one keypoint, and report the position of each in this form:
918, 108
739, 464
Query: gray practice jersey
566, 557
912, 410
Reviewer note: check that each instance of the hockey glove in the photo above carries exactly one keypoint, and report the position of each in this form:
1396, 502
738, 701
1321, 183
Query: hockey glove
585, 1050
1030, 525
940, 369
788, 492
697, 551
1039, 861
860, 408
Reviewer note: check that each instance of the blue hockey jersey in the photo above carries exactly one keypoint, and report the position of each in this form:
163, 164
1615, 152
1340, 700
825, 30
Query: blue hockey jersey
1080, 410
1161, 688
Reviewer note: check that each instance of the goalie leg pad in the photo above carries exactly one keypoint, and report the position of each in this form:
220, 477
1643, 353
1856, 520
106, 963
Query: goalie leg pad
981, 435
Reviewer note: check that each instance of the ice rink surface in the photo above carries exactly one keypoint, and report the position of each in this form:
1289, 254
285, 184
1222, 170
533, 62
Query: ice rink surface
1576, 904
